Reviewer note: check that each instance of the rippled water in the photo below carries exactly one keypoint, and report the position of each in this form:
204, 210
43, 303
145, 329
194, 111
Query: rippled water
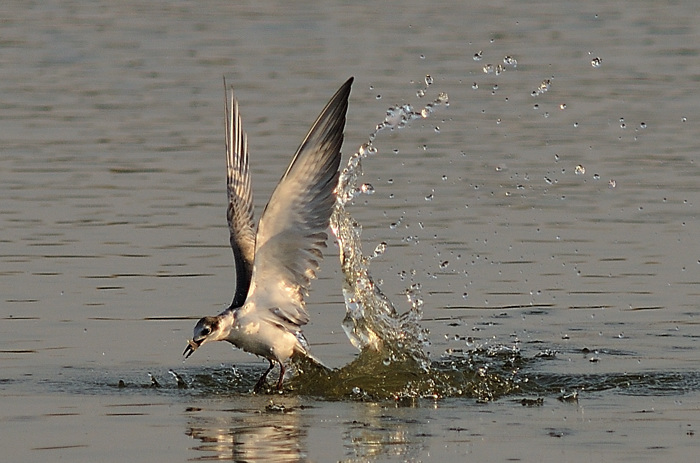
543, 228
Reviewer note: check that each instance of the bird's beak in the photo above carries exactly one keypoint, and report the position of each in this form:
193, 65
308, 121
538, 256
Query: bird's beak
192, 346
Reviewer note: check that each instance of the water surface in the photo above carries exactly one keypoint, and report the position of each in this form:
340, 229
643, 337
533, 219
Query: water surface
554, 237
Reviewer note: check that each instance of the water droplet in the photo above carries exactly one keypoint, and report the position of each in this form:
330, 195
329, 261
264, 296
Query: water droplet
367, 189
548, 180
499, 69
437, 129
488, 69
380, 249
596, 176
596, 62
580, 170
420, 93
544, 87
444, 264
379, 97
444, 178
510, 61
478, 56
475, 86
465, 295
562, 106
428, 80
575, 125
429, 197
684, 119
612, 183
643, 125
422, 56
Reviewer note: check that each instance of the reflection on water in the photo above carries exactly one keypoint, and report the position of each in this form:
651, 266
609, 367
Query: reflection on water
273, 432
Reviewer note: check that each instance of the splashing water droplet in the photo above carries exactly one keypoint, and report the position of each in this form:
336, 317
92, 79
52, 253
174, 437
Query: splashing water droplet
596, 62
444, 264
428, 80
543, 88
478, 56
510, 61
367, 189
580, 170
380, 249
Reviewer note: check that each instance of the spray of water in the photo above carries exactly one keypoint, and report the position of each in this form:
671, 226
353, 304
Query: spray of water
372, 322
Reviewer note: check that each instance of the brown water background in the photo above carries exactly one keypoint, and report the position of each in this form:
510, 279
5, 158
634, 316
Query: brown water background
562, 226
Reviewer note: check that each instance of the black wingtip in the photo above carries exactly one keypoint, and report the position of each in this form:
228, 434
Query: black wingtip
342, 94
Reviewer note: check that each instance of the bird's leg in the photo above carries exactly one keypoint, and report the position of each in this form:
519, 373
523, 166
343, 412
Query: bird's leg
279, 381
261, 382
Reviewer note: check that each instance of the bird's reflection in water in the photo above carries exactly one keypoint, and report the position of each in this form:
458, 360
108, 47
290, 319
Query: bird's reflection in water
379, 432
270, 433
279, 432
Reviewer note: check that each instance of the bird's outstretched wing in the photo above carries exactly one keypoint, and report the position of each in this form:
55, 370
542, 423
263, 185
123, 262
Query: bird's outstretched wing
292, 229
240, 199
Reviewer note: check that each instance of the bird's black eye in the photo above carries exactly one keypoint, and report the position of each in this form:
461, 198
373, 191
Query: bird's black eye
206, 330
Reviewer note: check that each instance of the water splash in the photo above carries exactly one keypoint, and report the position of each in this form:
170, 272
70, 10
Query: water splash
372, 322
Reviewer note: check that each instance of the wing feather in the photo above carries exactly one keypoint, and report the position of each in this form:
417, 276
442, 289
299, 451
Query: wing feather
239, 213
292, 230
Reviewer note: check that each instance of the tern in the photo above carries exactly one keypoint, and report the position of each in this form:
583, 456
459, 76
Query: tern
276, 263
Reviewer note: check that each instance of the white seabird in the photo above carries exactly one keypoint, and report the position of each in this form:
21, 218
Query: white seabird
274, 266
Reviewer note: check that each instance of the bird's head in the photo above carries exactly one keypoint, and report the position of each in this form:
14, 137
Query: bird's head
207, 329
